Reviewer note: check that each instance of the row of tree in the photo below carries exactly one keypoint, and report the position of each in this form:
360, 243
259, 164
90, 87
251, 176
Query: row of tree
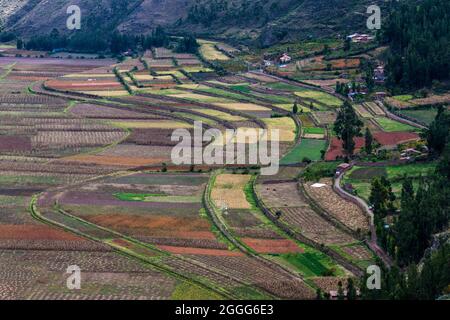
418, 35
428, 280
424, 212
114, 43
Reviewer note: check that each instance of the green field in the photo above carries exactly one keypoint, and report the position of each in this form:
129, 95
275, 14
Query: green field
389, 125
404, 97
309, 148
226, 94
156, 198
423, 115
314, 130
309, 263
283, 86
361, 177
321, 97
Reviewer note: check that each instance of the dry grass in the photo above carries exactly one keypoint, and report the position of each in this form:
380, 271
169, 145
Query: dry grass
209, 52
229, 190
242, 106
114, 161
344, 211
285, 125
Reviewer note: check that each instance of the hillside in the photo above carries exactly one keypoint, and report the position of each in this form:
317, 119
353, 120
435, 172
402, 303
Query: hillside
268, 21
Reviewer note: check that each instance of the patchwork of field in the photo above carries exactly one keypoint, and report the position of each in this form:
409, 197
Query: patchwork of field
292, 209
160, 218
248, 224
86, 172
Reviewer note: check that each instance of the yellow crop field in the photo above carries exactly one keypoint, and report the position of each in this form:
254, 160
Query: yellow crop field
228, 191
289, 107
197, 69
286, 126
199, 97
209, 52
242, 106
322, 97
220, 114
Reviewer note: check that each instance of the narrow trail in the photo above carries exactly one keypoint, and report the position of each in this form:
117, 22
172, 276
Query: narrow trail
373, 241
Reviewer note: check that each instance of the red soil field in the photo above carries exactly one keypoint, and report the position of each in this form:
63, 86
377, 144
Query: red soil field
115, 161
336, 150
272, 246
200, 251
34, 232
394, 138
82, 84
177, 227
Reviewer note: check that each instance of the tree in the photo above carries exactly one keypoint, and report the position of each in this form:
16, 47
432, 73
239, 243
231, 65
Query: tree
19, 44
347, 44
369, 76
340, 293
347, 127
368, 141
437, 134
319, 295
381, 197
295, 108
351, 290
417, 33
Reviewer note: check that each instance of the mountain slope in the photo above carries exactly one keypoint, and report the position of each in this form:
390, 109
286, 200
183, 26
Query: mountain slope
269, 21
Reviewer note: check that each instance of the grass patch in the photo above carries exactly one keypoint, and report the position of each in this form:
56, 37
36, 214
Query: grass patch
390, 125
187, 291
426, 115
321, 97
404, 97
309, 263
283, 86
314, 130
156, 198
308, 148
318, 170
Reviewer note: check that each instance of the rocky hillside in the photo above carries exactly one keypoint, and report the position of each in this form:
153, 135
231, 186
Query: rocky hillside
266, 21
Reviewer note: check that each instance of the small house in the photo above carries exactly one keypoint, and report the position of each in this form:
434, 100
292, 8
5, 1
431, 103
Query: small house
285, 58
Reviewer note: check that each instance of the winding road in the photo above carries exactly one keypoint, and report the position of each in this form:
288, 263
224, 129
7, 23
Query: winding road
373, 242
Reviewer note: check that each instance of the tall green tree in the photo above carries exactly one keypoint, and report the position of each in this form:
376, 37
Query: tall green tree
368, 139
437, 134
347, 127
295, 108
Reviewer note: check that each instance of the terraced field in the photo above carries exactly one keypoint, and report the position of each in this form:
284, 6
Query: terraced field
86, 173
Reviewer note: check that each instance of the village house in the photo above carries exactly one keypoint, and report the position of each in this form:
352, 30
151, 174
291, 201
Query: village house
285, 58
360, 38
379, 75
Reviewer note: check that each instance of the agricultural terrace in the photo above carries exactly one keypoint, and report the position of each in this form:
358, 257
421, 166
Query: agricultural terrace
159, 218
425, 116
209, 51
293, 212
389, 125
249, 226
347, 213
76, 139
359, 179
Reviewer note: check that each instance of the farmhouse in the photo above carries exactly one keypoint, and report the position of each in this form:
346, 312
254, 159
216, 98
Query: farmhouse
360, 38
379, 75
285, 58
